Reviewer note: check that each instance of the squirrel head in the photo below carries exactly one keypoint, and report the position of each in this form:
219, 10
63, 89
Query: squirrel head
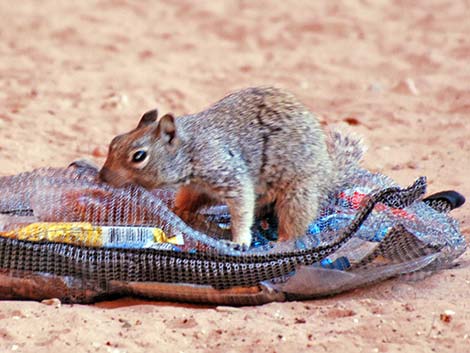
149, 155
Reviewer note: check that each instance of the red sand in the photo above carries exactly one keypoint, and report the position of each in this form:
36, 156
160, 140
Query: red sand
74, 74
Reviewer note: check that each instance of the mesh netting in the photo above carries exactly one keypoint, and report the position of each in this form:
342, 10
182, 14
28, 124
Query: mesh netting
65, 234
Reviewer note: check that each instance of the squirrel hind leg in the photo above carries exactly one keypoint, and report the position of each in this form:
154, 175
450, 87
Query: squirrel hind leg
296, 208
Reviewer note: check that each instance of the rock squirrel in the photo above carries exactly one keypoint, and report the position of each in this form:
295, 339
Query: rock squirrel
255, 147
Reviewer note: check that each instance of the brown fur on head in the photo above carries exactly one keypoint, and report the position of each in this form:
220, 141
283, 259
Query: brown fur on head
135, 157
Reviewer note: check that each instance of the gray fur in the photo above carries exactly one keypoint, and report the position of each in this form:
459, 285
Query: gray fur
253, 148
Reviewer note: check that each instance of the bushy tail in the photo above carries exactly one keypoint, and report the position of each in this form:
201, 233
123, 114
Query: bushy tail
346, 151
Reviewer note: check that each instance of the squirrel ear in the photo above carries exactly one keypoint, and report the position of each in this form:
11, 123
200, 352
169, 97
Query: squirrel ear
148, 118
166, 129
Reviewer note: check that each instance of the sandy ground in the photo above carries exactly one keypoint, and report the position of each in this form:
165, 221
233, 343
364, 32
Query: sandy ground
74, 74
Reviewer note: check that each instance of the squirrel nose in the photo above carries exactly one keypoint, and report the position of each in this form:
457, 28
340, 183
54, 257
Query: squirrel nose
105, 175
112, 177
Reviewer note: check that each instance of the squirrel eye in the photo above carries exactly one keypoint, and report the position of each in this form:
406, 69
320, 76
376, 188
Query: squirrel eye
139, 156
